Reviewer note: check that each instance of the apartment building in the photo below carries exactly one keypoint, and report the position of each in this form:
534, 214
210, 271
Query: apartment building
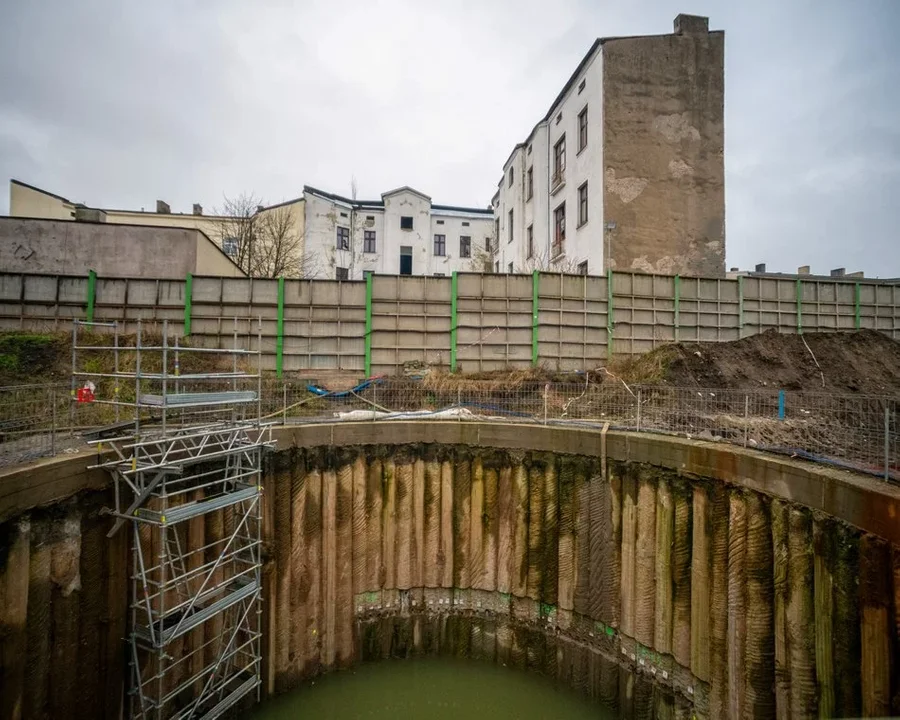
402, 233
626, 168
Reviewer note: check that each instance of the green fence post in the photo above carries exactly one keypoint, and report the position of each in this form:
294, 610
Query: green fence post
91, 291
535, 280
740, 306
799, 308
279, 340
453, 288
368, 325
857, 319
609, 314
188, 295
677, 304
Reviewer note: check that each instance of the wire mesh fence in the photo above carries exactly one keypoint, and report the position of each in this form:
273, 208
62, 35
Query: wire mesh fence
858, 432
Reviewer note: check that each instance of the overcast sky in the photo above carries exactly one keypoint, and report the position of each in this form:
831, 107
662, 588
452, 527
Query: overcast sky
117, 103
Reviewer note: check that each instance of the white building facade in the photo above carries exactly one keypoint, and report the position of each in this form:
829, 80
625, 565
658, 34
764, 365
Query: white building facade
404, 233
549, 204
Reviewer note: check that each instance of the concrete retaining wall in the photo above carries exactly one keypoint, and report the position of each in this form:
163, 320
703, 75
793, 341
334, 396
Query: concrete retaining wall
745, 585
500, 321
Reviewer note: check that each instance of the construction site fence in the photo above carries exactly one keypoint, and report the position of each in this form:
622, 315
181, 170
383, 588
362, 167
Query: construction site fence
856, 432
468, 322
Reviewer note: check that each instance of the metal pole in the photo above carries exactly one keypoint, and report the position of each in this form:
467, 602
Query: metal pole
137, 388
746, 418
546, 390
116, 365
165, 370
639, 409
887, 442
259, 370
74, 363
283, 402
53, 420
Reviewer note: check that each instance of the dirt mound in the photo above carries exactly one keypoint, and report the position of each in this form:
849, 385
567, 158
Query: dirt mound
866, 362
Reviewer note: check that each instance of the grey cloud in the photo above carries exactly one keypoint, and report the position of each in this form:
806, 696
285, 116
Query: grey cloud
118, 104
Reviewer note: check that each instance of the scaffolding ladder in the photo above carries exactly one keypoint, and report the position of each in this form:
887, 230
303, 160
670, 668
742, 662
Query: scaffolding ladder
188, 484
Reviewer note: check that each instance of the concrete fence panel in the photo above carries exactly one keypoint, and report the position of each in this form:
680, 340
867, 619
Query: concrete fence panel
571, 320
469, 322
494, 322
410, 320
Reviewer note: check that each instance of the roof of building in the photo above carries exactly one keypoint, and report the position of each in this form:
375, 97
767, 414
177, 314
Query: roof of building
405, 188
379, 204
37, 189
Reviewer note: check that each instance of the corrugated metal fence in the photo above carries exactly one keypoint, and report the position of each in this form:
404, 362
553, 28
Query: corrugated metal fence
469, 322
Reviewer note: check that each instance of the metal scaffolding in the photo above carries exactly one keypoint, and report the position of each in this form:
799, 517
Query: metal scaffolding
187, 479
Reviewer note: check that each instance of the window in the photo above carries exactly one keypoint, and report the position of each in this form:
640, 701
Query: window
465, 224
343, 238
368, 241
559, 230
370, 218
510, 230
497, 267
230, 246
496, 234
529, 237
406, 259
582, 268
341, 273
465, 246
440, 222
582, 129
343, 214
406, 221
440, 244
559, 160
582, 205
487, 245
529, 183
510, 177
581, 86
559, 119
509, 268
439, 275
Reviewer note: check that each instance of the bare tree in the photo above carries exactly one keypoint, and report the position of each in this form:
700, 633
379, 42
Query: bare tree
541, 261
280, 248
263, 242
236, 227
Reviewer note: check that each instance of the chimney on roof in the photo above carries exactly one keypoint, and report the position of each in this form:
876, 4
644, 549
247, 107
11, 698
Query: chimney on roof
735, 270
198, 209
760, 268
838, 272
691, 25
803, 270
163, 208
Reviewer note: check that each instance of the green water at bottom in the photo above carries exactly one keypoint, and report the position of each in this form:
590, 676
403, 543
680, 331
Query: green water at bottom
431, 688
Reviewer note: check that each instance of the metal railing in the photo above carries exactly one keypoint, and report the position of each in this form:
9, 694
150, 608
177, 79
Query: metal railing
857, 432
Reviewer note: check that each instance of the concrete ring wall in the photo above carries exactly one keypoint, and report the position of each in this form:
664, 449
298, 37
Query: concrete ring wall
739, 584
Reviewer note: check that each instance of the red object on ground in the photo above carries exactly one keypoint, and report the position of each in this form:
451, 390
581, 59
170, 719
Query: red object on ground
85, 394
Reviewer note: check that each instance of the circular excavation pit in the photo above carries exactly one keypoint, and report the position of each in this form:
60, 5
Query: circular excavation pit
655, 575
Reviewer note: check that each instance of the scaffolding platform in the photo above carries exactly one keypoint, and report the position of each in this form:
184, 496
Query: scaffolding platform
187, 471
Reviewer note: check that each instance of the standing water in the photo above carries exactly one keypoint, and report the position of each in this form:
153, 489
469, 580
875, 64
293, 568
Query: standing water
433, 688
